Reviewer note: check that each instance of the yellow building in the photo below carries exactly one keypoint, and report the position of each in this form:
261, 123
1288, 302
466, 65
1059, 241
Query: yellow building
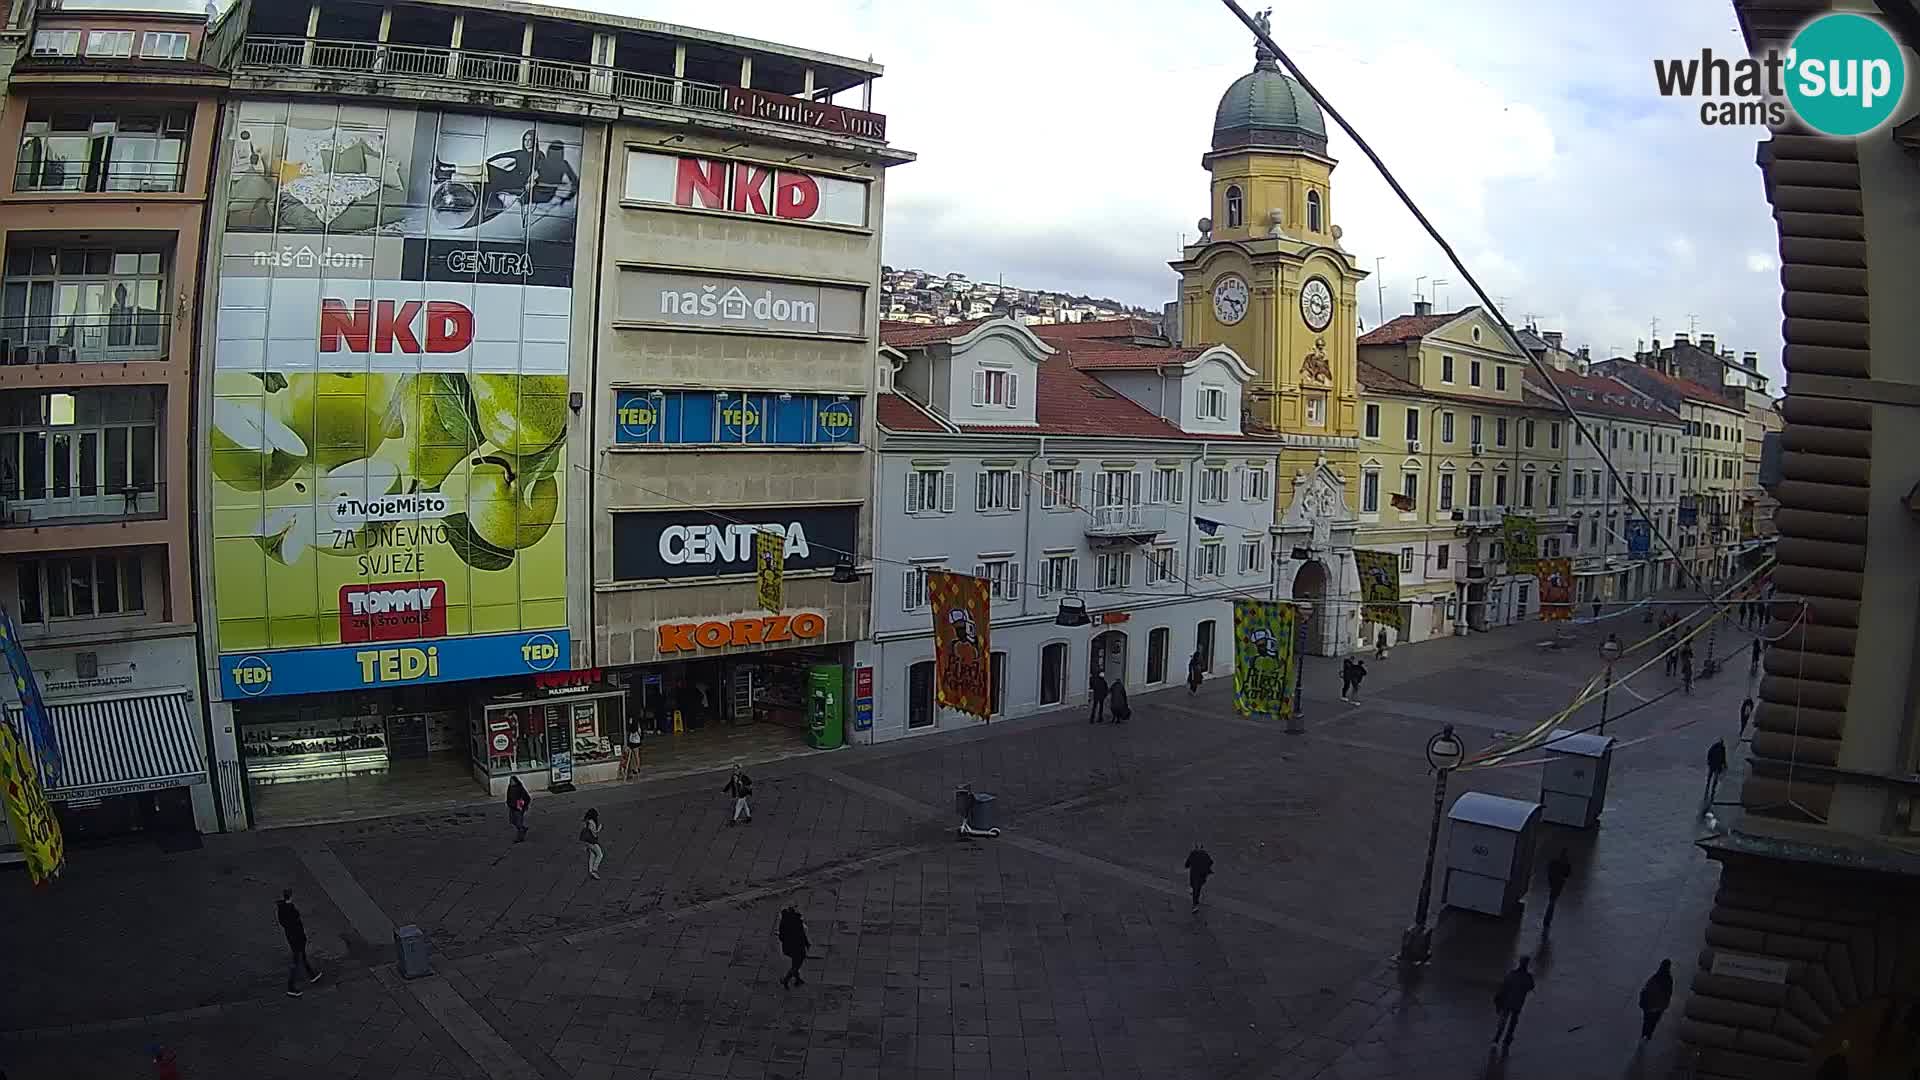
1452, 442
1269, 278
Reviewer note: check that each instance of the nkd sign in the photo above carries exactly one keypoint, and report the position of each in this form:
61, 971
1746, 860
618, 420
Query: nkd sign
741, 187
389, 326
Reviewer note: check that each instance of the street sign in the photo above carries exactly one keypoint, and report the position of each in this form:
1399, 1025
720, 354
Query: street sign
1444, 750
1610, 649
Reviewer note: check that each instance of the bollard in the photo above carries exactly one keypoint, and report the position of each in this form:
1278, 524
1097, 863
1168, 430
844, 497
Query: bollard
411, 950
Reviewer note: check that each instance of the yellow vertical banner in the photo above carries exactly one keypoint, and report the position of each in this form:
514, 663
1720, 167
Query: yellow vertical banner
770, 569
34, 827
1380, 587
1264, 633
962, 642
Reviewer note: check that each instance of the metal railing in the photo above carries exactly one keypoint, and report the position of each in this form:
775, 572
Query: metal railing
35, 173
1126, 520
100, 338
79, 502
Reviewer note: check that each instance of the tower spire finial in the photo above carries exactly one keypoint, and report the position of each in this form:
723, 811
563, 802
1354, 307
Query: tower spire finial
1262, 56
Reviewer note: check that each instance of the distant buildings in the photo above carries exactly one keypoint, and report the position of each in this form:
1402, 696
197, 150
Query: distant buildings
930, 299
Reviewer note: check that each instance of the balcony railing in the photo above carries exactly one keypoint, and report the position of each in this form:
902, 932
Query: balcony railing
38, 174
1126, 521
1484, 517
589, 80
81, 503
101, 338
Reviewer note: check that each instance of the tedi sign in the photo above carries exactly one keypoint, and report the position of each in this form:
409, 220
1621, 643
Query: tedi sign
683, 544
1843, 75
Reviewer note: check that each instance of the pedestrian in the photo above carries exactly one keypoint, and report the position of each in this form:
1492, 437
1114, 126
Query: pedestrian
740, 786
1359, 675
1559, 869
1380, 646
630, 761
1509, 1000
1117, 708
1196, 668
1746, 714
1835, 1067
590, 836
1672, 654
1199, 867
1716, 765
1655, 996
296, 931
793, 942
1097, 694
1754, 667
1346, 679
1686, 667
517, 802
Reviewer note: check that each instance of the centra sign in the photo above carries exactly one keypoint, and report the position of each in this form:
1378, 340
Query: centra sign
672, 544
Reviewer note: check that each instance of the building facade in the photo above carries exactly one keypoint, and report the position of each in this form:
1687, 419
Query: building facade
114, 115
1092, 470
457, 529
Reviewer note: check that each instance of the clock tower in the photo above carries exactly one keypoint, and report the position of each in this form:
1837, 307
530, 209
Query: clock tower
1269, 278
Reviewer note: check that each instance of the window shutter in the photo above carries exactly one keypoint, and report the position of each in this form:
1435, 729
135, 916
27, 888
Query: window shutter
980, 488
946, 491
907, 590
1134, 497
979, 569
913, 492
1073, 574
1013, 581
979, 387
1016, 483
1013, 389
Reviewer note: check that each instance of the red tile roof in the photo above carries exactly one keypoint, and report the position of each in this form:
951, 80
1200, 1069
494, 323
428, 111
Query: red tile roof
1409, 327
1599, 394
1383, 381
906, 335
1101, 356
1097, 329
1672, 383
1376, 378
898, 413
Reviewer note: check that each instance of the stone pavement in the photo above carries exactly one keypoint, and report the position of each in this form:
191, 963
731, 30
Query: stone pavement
1063, 949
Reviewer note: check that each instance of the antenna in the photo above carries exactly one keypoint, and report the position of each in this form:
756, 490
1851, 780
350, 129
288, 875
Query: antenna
1437, 282
1693, 323
1416, 287
1380, 285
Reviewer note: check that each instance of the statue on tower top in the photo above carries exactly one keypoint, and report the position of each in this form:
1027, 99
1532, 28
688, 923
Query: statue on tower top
1263, 57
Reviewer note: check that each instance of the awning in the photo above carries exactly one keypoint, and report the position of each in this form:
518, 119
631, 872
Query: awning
121, 745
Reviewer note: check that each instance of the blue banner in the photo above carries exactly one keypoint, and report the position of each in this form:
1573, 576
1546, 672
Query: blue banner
733, 418
1639, 538
275, 673
34, 711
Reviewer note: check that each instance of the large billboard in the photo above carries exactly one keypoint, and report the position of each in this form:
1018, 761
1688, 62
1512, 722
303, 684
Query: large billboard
390, 411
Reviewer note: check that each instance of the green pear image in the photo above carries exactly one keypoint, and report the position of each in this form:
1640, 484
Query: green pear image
521, 414
252, 450
342, 416
330, 524
509, 507
437, 425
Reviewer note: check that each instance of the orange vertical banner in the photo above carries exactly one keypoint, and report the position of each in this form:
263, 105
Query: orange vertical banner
1556, 588
962, 649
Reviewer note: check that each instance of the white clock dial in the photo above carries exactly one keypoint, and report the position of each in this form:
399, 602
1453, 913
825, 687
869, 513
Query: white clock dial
1230, 299
1316, 304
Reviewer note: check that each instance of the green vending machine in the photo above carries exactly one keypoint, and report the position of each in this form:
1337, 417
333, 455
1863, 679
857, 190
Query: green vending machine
826, 713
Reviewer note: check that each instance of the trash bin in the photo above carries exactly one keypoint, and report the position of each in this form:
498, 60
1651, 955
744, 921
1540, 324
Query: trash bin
1490, 843
981, 816
410, 947
1573, 784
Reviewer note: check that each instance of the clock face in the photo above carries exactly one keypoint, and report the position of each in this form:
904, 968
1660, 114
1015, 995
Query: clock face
1230, 299
1316, 304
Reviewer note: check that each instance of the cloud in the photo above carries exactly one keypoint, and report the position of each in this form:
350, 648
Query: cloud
1760, 262
1060, 148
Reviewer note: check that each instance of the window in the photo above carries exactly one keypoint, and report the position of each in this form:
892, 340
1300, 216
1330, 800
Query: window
1579, 485
1254, 483
1500, 489
1116, 487
1210, 559
1526, 490
1316, 409
1213, 484
1370, 491
79, 453
1499, 431
1053, 673
1168, 485
1059, 573
1236, 208
1526, 435
1158, 645
996, 683
1643, 483
1113, 570
1446, 368
1406, 560
1446, 427
1499, 376
1553, 436
1579, 435
1475, 430
1473, 373
1313, 211
920, 712
1413, 425
1473, 488
929, 491
159, 46
110, 43
997, 489
84, 586
1160, 564
1596, 486
1002, 574
1253, 557
1553, 491
1613, 438
84, 303
1441, 554
1213, 403
996, 386
1062, 491
1446, 491
1203, 644
1410, 490
56, 43
1593, 532
914, 592
1373, 421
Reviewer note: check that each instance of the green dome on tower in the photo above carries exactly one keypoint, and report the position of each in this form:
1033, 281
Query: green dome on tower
1266, 109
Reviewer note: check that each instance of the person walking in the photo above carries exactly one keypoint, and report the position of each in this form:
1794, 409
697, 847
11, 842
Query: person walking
630, 760
590, 836
1754, 667
1559, 869
1346, 679
517, 802
1672, 654
1196, 669
1655, 996
1716, 765
1509, 1000
740, 786
296, 931
1746, 714
793, 942
1380, 646
1359, 675
1199, 868
1097, 694
1686, 667
1117, 708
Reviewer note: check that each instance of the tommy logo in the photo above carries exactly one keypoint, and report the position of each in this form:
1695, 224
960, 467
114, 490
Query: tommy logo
388, 326
394, 611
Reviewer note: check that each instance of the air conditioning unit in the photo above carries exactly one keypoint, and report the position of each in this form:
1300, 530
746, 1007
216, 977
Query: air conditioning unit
1413, 446
1479, 448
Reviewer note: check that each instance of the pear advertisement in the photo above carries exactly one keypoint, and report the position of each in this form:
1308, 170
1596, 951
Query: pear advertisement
388, 433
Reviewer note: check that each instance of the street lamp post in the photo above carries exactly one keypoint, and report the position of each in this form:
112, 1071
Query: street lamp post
1609, 651
1295, 718
1444, 752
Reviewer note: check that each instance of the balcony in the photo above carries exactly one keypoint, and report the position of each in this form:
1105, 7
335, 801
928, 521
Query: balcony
1126, 522
40, 177
474, 68
91, 505
109, 337
1482, 517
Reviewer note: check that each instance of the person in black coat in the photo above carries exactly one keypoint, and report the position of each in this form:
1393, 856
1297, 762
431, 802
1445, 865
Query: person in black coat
1117, 706
1655, 996
1199, 868
1754, 668
296, 930
1097, 694
517, 802
1196, 670
1559, 869
1746, 714
793, 942
1509, 1000
1346, 679
1716, 765
1359, 676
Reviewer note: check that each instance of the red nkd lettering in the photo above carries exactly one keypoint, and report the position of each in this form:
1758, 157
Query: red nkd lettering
388, 326
701, 185
796, 196
750, 186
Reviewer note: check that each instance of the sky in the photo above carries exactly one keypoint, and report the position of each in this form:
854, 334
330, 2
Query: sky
1059, 146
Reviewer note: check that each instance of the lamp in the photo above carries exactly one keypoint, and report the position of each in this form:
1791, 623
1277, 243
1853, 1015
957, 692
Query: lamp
1073, 612
843, 571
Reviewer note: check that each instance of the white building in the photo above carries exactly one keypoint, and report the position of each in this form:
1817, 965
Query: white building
1110, 472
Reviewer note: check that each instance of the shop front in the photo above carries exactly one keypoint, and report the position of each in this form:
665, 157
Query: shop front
560, 730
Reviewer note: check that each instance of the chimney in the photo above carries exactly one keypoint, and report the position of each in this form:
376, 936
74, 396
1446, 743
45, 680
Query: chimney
1422, 307
1706, 343
1586, 354
1553, 338
1750, 359
1680, 339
